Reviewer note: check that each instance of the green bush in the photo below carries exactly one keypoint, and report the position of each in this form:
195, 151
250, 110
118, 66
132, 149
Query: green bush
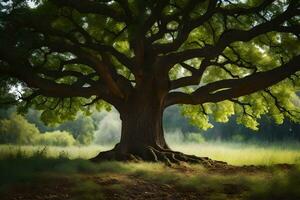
194, 138
55, 138
17, 130
82, 129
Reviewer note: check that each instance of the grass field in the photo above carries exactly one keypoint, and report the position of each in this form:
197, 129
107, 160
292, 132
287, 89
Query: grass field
246, 154
31, 173
233, 153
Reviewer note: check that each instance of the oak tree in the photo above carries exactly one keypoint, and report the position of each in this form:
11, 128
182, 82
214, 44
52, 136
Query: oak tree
215, 58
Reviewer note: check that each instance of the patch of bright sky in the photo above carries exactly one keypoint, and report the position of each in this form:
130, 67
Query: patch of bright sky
31, 4
17, 90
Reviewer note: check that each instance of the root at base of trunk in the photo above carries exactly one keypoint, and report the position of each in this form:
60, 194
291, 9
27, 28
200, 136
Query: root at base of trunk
152, 154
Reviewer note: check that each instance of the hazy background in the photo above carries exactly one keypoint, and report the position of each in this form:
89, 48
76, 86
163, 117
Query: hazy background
104, 128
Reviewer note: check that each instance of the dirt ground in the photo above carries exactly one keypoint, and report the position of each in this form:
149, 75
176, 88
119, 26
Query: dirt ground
116, 186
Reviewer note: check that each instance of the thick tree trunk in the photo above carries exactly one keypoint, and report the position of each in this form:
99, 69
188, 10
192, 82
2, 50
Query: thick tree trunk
142, 126
142, 136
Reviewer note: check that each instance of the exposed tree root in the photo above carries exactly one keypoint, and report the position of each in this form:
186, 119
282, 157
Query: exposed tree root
152, 154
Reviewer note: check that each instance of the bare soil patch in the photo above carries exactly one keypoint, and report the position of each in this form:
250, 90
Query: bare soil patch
115, 186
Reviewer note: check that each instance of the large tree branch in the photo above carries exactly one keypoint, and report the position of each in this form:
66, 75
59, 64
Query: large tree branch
93, 43
212, 9
232, 35
99, 66
194, 79
21, 69
50, 88
65, 42
186, 26
155, 15
233, 88
197, 74
125, 6
245, 11
81, 78
122, 58
108, 73
95, 7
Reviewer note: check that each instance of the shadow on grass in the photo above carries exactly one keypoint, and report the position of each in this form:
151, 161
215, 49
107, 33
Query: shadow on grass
18, 168
37, 171
280, 187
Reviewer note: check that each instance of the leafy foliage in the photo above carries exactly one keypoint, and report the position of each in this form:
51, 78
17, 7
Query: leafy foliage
55, 138
17, 130
217, 58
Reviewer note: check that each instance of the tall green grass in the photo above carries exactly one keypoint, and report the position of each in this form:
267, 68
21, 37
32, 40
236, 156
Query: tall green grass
72, 152
233, 153
245, 154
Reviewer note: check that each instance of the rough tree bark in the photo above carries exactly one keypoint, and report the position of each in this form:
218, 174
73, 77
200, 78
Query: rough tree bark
142, 135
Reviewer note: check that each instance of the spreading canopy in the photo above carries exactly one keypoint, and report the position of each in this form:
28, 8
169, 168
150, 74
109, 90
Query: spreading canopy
216, 58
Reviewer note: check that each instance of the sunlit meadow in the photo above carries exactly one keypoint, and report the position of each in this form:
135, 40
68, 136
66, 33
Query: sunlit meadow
233, 153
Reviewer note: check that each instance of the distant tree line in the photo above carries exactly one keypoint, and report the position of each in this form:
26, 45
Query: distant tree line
29, 129
268, 131
17, 130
